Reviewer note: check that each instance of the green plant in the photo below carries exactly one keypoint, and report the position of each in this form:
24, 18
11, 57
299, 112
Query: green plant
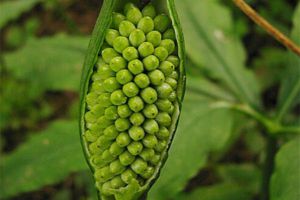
129, 114
238, 134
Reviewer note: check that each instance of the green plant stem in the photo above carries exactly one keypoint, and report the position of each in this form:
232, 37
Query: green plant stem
272, 126
268, 167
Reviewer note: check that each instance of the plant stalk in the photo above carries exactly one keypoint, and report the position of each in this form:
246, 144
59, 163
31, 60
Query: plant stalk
252, 14
268, 166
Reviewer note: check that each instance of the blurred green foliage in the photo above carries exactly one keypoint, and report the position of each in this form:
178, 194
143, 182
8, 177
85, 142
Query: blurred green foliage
43, 45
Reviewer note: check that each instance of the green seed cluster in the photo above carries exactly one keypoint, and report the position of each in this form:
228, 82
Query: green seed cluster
131, 98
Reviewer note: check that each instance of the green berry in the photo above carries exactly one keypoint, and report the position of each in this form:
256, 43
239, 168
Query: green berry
117, 182
136, 104
135, 148
103, 174
128, 6
102, 123
155, 159
108, 54
162, 22
124, 111
90, 117
130, 53
123, 139
128, 175
164, 104
150, 111
115, 149
111, 113
174, 60
111, 132
154, 37
118, 98
163, 119
174, 75
146, 49
139, 166
111, 35
136, 66
98, 110
137, 37
169, 34
156, 77
106, 188
111, 84
107, 157
126, 158
148, 172
117, 63
91, 99
90, 137
97, 87
160, 146
149, 11
164, 90
120, 43
147, 154
124, 76
146, 24
117, 19
150, 141
122, 124
134, 15
116, 167
94, 148
126, 27
166, 67
172, 97
161, 53
104, 99
151, 126
105, 72
137, 119
169, 45
149, 95
142, 80
163, 133
172, 82
130, 89
151, 62
171, 110
136, 133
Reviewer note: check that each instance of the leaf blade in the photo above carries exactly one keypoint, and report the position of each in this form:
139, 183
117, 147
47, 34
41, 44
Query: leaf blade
285, 181
11, 10
212, 46
46, 158
52, 63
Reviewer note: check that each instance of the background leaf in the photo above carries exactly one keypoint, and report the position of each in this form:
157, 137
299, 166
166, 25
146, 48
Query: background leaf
245, 175
12, 9
290, 89
218, 192
196, 137
285, 182
53, 63
46, 158
213, 44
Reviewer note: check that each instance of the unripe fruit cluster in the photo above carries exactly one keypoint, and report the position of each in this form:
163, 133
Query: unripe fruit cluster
131, 99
